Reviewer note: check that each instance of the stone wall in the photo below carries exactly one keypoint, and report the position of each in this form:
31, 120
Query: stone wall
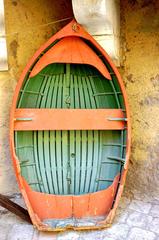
140, 71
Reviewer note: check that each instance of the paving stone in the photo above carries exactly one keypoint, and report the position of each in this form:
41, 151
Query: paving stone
137, 219
116, 232
4, 229
21, 232
140, 206
87, 235
69, 235
10, 218
140, 234
154, 210
154, 226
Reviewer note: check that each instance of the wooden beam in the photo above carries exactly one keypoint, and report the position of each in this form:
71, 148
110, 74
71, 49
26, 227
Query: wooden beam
21, 212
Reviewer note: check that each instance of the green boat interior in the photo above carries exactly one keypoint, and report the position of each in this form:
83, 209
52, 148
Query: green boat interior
75, 161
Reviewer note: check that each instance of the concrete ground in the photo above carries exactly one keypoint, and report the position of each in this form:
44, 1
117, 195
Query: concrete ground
137, 218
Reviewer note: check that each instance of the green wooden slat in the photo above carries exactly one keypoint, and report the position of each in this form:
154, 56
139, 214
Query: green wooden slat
47, 160
89, 145
78, 152
83, 138
92, 143
59, 161
95, 161
39, 174
90, 92
65, 156
81, 95
59, 95
90, 150
72, 157
76, 92
39, 99
85, 93
83, 160
92, 86
116, 95
42, 161
72, 92
50, 92
77, 139
46, 150
53, 160
97, 165
54, 96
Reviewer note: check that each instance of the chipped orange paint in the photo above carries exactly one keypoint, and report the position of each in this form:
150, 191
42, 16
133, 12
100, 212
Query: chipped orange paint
73, 29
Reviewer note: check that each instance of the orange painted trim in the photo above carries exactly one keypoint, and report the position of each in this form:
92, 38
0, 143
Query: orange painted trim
50, 206
68, 30
71, 50
67, 119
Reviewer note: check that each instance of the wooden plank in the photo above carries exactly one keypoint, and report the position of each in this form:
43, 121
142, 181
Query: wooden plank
21, 212
65, 157
83, 166
78, 151
59, 161
72, 158
67, 119
53, 160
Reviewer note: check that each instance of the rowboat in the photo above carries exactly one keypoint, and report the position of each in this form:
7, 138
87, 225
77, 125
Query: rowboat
70, 133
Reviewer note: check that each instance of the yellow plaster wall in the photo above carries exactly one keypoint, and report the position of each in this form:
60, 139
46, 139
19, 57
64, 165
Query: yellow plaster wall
29, 24
140, 71
140, 34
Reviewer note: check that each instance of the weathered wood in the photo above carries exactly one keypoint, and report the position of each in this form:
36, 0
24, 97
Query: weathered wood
21, 212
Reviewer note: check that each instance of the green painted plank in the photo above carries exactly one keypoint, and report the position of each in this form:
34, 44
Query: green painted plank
58, 136
84, 153
43, 167
65, 156
53, 161
36, 158
60, 90
54, 96
95, 162
50, 92
78, 146
72, 158
81, 95
76, 92
90, 150
72, 92
92, 86
40, 98
46, 160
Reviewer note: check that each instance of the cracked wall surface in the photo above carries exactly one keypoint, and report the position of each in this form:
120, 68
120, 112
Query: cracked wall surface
140, 72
